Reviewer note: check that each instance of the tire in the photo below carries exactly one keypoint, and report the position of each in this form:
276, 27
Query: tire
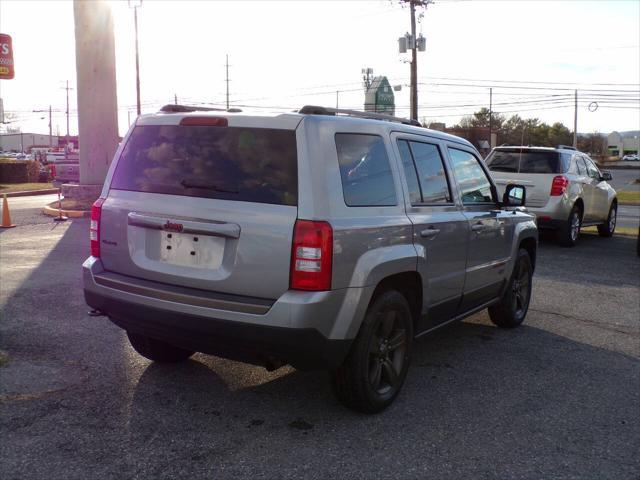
607, 229
512, 308
157, 350
568, 234
375, 368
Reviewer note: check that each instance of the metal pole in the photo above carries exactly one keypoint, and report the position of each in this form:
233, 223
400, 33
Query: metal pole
227, 80
135, 22
575, 122
490, 116
50, 129
337, 92
175, 98
129, 117
67, 112
414, 65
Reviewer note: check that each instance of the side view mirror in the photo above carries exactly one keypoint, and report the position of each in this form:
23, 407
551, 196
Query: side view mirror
514, 196
605, 177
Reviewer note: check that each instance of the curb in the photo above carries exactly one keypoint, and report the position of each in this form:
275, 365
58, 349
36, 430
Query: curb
26, 193
53, 212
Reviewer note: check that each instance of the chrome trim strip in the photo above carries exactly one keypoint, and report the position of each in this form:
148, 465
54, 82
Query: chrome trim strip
218, 229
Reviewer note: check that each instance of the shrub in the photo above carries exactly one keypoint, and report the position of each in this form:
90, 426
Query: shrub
13, 172
33, 171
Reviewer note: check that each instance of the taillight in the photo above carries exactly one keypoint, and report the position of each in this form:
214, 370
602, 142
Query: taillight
311, 256
94, 228
53, 171
559, 185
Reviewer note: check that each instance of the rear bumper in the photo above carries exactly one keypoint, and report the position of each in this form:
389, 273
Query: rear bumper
554, 214
308, 330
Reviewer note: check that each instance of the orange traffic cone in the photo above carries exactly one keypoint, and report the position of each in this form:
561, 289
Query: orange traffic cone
6, 217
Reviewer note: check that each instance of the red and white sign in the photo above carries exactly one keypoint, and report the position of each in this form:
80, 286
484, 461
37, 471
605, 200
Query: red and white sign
6, 57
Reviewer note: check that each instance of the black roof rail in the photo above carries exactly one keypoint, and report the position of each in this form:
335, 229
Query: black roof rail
567, 147
316, 110
173, 108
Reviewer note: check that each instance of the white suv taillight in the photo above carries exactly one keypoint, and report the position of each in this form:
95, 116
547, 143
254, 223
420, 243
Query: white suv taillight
94, 228
559, 185
311, 256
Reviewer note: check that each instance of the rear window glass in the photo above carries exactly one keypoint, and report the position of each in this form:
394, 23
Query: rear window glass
364, 170
243, 164
526, 161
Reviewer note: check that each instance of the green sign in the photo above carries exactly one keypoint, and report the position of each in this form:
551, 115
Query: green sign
379, 97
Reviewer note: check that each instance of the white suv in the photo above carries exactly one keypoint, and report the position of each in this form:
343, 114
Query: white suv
565, 188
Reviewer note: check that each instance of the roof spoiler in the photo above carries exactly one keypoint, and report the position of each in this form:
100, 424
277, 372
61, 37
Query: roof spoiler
174, 108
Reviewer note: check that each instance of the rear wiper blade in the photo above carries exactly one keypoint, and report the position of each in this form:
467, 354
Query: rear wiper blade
206, 186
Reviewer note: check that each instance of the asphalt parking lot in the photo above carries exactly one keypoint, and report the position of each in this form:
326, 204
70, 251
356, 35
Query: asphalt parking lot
557, 398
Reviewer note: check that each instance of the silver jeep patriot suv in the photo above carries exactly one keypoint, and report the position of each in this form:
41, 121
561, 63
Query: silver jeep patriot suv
325, 239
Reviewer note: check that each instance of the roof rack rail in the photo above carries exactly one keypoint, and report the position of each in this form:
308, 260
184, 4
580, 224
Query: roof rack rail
174, 108
316, 110
567, 147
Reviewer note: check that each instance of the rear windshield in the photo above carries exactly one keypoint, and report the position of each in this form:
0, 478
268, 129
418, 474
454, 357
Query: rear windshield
243, 164
526, 161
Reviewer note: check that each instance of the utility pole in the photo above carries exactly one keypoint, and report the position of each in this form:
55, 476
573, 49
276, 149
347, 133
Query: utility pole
175, 98
490, 117
227, 80
129, 118
575, 122
337, 92
367, 73
50, 124
414, 65
135, 6
50, 129
67, 112
415, 44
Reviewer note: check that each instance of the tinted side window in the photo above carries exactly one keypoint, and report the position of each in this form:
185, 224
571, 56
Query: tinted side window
415, 196
582, 169
592, 169
364, 170
431, 173
474, 185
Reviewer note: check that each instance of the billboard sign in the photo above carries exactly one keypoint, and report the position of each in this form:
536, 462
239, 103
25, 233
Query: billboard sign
6, 57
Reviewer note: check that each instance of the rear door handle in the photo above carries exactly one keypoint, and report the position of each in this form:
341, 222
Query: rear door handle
429, 232
478, 227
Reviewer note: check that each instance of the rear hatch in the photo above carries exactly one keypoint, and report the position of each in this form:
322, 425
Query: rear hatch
533, 168
209, 203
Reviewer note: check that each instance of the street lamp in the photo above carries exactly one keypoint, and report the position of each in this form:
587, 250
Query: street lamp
135, 4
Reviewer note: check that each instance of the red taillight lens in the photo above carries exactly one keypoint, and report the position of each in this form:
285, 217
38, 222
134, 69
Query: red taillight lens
205, 121
559, 185
53, 171
94, 228
311, 256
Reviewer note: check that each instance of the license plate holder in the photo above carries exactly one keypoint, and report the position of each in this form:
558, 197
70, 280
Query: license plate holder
191, 250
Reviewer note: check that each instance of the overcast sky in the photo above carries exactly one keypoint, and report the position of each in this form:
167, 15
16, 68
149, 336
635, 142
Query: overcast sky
287, 54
